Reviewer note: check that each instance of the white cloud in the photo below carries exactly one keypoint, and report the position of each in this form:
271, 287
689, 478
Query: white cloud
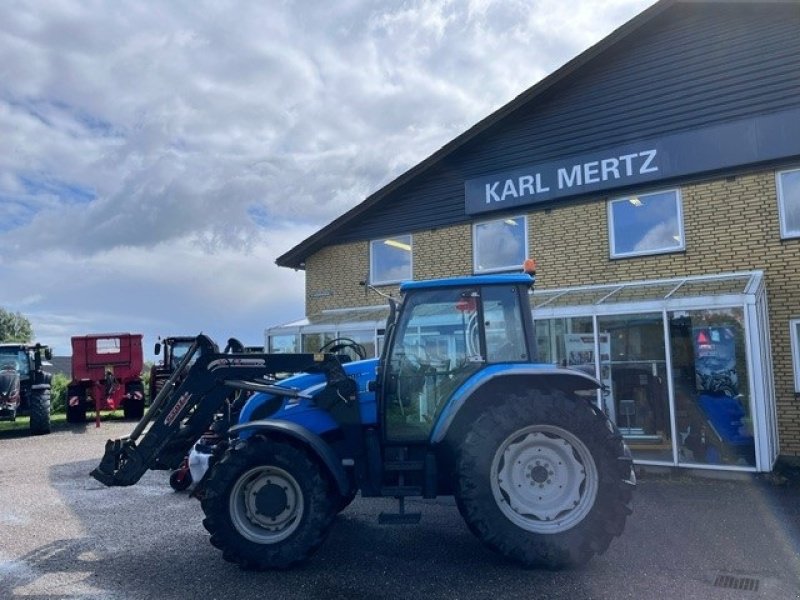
168, 152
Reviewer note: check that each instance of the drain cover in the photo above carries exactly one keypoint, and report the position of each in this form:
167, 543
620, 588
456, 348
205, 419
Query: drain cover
736, 582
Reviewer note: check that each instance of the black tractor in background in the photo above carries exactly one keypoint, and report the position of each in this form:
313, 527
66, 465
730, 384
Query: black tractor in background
24, 385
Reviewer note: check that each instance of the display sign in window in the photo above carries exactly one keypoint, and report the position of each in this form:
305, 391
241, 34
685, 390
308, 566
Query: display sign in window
713, 416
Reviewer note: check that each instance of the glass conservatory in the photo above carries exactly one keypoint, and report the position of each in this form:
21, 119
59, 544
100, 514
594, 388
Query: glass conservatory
685, 363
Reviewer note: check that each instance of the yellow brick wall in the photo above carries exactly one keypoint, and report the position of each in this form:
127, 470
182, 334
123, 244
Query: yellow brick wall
333, 275
730, 225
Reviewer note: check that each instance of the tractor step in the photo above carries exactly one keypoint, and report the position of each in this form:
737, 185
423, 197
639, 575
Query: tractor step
404, 465
398, 491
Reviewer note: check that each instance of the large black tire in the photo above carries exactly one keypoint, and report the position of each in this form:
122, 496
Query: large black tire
77, 413
40, 409
133, 405
268, 505
544, 479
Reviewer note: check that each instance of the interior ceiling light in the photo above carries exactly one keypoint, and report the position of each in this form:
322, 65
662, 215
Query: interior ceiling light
635, 201
396, 244
510, 222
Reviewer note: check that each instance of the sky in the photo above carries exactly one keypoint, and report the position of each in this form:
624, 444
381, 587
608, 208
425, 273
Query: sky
157, 157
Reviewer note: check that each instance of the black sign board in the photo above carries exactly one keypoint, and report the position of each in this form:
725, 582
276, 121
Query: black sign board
747, 141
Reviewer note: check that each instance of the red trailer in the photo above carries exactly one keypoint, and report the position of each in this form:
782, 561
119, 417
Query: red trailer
106, 375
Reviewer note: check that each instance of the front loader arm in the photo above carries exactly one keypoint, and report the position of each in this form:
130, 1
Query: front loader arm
187, 404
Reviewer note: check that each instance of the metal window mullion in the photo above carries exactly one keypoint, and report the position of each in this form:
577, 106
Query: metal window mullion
774, 435
752, 348
673, 417
599, 393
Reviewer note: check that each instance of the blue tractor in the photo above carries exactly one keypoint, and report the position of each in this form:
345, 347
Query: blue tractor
455, 405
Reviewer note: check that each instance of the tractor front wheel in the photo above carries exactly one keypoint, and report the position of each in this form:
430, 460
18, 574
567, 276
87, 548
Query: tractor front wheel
268, 504
544, 479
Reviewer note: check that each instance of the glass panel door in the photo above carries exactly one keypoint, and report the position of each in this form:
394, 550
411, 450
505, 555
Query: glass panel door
710, 380
636, 368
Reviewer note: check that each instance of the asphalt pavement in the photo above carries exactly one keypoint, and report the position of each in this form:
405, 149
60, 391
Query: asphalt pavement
64, 535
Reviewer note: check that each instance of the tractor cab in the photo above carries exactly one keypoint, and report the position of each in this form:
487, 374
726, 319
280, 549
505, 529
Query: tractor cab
445, 333
175, 348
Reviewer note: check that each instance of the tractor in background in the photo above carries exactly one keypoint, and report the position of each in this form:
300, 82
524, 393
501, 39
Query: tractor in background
174, 348
24, 385
106, 375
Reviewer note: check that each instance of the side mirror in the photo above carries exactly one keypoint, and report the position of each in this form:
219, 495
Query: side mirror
157, 348
48, 353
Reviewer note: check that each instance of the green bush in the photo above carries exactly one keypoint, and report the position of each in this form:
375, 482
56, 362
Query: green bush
58, 393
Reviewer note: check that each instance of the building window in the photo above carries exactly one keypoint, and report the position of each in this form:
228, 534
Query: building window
390, 260
795, 333
645, 224
499, 245
284, 344
788, 183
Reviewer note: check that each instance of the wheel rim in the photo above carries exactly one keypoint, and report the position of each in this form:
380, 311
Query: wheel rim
544, 479
266, 505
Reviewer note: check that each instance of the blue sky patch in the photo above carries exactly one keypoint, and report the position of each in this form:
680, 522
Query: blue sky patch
65, 192
259, 215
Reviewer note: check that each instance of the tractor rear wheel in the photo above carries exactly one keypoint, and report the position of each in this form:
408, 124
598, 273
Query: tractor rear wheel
40, 409
544, 479
268, 504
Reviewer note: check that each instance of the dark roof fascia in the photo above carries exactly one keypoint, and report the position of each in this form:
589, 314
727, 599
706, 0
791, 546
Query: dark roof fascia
295, 257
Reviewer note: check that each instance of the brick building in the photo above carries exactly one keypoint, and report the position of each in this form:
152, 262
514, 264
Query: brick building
656, 180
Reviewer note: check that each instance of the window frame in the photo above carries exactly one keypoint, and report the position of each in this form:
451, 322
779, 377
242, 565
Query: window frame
794, 336
785, 233
611, 233
372, 279
514, 267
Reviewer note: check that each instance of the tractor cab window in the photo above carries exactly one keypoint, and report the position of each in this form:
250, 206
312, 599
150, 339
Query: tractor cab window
8, 360
23, 365
505, 336
179, 350
436, 348
16, 360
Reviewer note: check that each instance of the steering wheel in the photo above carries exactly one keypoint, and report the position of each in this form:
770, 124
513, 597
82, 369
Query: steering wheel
344, 343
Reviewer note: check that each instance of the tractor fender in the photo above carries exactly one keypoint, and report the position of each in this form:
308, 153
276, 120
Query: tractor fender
568, 380
308, 438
